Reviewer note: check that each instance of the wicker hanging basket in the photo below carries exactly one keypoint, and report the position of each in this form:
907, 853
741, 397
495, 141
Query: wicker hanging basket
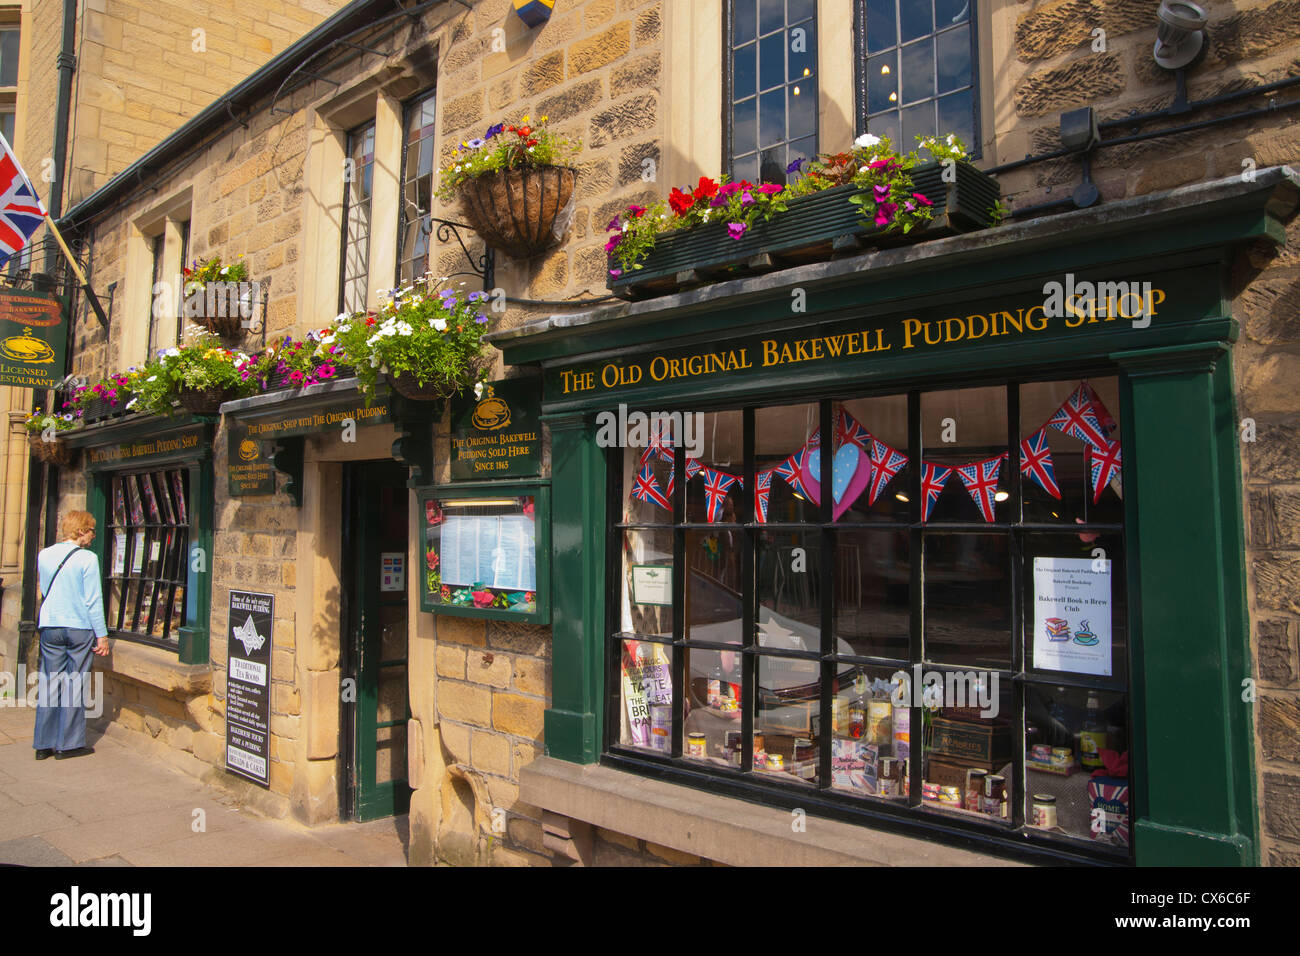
55, 452
205, 401
520, 211
406, 385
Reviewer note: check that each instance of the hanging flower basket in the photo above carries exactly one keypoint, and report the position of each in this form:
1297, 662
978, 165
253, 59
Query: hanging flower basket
227, 326
205, 401
520, 211
56, 452
405, 384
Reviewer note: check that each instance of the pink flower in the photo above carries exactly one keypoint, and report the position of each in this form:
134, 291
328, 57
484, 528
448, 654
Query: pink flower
880, 193
325, 371
295, 377
482, 598
746, 198
921, 199
736, 229
614, 240
615, 272
770, 189
885, 213
885, 164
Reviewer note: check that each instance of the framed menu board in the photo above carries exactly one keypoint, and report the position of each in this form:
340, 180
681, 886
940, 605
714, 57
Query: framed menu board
486, 551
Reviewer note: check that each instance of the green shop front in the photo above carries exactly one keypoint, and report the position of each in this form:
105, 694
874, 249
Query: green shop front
944, 542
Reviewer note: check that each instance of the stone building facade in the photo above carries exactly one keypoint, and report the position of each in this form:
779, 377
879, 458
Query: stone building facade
639, 82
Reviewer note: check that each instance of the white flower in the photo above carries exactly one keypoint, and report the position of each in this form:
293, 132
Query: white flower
866, 140
225, 269
439, 324
950, 139
152, 378
172, 352
131, 403
625, 227
863, 169
340, 318
478, 390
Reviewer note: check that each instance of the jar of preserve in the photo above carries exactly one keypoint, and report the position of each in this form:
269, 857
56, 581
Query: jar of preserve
696, 748
974, 789
995, 795
1044, 811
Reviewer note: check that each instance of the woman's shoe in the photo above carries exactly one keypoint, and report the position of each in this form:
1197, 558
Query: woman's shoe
44, 752
79, 752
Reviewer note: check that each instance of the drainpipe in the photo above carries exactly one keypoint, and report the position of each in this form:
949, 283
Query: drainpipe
67, 64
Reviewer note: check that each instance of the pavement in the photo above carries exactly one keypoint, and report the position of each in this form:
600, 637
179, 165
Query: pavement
121, 807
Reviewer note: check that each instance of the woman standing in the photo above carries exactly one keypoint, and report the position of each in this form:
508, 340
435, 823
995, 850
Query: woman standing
71, 625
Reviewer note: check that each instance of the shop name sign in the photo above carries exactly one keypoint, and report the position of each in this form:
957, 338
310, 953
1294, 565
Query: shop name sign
33, 340
1064, 308
497, 434
319, 420
134, 451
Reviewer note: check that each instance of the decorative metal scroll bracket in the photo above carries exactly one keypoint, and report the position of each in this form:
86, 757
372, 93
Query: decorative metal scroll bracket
414, 444
484, 265
286, 457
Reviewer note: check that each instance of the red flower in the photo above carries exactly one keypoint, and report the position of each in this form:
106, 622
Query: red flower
706, 188
370, 321
531, 142
680, 201
635, 211
525, 131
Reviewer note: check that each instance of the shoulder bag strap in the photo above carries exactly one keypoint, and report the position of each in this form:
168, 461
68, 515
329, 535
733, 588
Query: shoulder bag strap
58, 569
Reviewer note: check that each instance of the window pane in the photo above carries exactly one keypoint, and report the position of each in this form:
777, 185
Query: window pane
918, 71
745, 76
967, 428
803, 50
771, 61
870, 748
873, 427
771, 15
646, 607
882, 27
744, 128
745, 168
1068, 455
713, 599
887, 125
882, 82
712, 706
788, 718
646, 696
788, 566
745, 20
802, 103
956, 115
797, 10
771, 118
953, 54
968, 745
872, 593
1076, 607
948, 12
9, 59
916, 19
714, 493
1070, 735
968, 599
781, 435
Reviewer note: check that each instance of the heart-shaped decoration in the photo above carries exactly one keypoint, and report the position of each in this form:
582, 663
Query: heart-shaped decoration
859, 478
810, 474
850, 476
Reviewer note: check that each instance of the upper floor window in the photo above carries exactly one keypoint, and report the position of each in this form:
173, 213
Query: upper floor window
415, 221
771, 94
919, 66
9, 56
355, 260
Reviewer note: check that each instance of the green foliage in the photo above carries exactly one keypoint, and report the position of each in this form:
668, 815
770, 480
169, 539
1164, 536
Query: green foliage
37, 422
436, 336
204, 363
212, 270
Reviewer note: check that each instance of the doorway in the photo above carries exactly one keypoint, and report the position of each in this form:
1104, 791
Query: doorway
375, 709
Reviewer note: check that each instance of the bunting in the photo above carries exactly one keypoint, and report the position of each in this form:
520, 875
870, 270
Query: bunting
981, 481
692, 469
716, 486
761, 493
933, 478
1077, 419
886, 462
647, 488
791, 470
1104, 466
1036, 462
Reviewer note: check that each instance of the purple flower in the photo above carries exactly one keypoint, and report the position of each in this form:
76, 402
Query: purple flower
476, 143
746, 198
494, 130
736, 229
613, 272
480, 318
613, 242
885, 213
881, 193
477, 296
795, 166
613, 224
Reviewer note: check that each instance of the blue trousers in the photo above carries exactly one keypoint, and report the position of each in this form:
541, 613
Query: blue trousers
65, 675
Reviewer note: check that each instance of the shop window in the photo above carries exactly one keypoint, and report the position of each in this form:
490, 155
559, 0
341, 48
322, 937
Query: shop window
418, 168
918, 70
355, 257
889, 644
771, 83
147, 547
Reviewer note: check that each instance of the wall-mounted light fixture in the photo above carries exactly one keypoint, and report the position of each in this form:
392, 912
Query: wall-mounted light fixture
1180, 35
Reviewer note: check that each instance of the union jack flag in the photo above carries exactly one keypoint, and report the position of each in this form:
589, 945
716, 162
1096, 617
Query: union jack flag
692, 469
933, 478
791, 469
660, 444
886, 462
1036, 462
21, 210
981, 481
849, 431
761, 493
1105, 465
1077, 419
716, 486
647, 488
1108, 424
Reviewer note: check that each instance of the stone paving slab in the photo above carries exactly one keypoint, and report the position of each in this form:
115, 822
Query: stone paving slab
124, 807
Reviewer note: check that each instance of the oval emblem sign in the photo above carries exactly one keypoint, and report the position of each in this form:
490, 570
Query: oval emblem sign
491, 412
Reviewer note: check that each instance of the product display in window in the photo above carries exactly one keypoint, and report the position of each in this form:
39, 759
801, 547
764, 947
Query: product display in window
146, 542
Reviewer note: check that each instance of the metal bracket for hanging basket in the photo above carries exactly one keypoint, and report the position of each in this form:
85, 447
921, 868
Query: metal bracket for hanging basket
520, 211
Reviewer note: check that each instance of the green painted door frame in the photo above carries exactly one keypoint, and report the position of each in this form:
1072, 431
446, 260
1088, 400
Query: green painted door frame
1193, 771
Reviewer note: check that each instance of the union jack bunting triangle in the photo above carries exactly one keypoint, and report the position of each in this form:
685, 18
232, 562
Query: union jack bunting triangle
1105, 465
849, 431
886, 462
981, 481
692, 469
660, 445
1036, 462
647, 488
790, 470
1108, 424
933, 478
1077, 419
716, 486
761, 493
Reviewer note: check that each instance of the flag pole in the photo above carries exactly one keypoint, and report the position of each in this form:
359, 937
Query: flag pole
81, 276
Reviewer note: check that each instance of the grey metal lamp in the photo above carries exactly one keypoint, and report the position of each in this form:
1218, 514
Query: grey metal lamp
1180, 34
